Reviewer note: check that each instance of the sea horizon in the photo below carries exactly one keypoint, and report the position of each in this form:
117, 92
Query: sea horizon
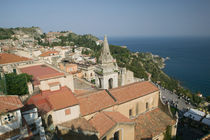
189, 57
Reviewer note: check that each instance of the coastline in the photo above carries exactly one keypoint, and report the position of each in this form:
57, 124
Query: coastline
188, 60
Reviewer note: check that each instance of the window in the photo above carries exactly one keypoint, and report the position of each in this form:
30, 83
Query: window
137, 108
118, 135
14, 71
147, 105
8, 118
110, 83
67, 111
130, 112
100, 85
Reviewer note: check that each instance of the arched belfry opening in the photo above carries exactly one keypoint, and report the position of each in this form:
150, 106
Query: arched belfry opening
100, 85
106, 70
110, 83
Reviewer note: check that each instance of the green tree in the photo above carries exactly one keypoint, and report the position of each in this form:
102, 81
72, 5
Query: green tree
208, 98
167, 134
17, 84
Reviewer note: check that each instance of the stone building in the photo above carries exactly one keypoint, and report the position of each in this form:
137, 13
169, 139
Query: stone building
121, 109
108, 74
132, 111
107, 70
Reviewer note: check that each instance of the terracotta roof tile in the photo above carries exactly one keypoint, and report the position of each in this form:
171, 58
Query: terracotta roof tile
9, 103
53, 100
117, 117
94, 102
79, 123
62, 99
152, 124
100, 100
49, 53
104, 121
52, 75
133, 91
41, 72
11, 58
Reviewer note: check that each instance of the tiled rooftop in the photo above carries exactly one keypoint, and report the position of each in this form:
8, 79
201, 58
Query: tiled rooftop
133, 91
41, 72
11, 58
152, 124
53, 100
101, 99
94, 102
104, 121
79, 123
9, 103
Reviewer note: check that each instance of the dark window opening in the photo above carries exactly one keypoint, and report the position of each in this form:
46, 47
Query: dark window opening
147, 106
130, 112
110, 83
100, 83
116, 135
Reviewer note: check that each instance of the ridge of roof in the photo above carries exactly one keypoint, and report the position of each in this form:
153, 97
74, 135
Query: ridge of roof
100, 100
106, 120
55, 100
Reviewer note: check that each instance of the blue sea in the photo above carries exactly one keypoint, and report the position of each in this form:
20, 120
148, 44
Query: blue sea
189, 58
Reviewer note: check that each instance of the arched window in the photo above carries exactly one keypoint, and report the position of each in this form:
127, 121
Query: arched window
99, 79
110, 83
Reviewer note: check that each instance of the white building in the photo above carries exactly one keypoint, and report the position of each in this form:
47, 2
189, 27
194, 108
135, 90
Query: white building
10, 116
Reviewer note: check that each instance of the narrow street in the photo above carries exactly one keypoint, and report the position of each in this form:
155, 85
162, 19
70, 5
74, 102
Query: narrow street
174, 100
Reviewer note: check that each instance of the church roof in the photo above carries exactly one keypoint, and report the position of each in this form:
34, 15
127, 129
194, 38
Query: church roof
94, 102
133, 91
100, 100
152, 123
104, 121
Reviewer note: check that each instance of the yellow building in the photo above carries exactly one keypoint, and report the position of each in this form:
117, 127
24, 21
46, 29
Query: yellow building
131, 112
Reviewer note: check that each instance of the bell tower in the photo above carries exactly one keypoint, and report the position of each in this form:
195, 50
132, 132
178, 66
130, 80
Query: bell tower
107, 69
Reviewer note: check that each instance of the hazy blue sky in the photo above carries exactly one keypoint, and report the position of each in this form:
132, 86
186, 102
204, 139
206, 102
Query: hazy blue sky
111, 17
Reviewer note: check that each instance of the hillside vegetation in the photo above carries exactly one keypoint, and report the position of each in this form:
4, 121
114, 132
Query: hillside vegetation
6, 33
140, 63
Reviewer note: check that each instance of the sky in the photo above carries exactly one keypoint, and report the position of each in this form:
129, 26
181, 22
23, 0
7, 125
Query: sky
117, 18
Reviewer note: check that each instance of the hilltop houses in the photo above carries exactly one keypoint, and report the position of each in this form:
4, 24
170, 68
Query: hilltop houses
101, 101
